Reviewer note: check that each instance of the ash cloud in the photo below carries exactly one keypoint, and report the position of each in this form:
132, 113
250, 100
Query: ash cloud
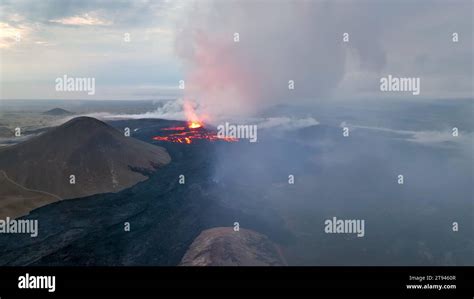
278, 41
302, 41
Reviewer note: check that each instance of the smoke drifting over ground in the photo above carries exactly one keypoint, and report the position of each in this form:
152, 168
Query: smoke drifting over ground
175, 110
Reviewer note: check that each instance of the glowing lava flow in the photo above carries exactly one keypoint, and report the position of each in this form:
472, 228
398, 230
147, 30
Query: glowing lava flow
189, 134
194, 125
194, 131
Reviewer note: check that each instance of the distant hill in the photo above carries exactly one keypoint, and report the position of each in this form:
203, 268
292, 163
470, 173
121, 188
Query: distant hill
57, 112
100, 157
222, 246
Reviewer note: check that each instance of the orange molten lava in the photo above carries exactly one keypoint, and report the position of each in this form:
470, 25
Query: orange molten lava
194, 125
187, 135
194, 131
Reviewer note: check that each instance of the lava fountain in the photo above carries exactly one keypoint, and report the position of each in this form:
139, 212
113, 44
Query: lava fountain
194, 130
193, 120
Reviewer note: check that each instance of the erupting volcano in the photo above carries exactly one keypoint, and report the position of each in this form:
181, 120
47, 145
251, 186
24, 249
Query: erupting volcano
194, 125
194, 130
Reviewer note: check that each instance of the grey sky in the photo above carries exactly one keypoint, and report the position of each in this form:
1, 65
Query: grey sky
193, 40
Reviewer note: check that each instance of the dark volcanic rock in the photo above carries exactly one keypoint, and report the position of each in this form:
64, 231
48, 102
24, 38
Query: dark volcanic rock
5, 132
165, 217
100, 157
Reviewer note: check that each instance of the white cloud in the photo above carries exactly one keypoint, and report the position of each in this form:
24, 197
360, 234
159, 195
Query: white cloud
287, 123
432, 137
88, 19
423, 137
11, 35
